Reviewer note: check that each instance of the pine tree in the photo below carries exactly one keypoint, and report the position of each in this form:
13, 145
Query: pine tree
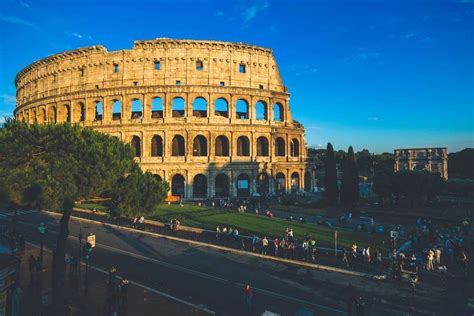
330, 179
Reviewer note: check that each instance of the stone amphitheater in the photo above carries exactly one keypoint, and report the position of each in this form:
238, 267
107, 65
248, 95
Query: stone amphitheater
211, 118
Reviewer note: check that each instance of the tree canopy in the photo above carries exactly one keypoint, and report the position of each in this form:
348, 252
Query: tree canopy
330, 180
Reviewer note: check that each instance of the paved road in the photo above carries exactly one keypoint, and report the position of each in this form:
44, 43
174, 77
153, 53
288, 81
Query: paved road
216, 278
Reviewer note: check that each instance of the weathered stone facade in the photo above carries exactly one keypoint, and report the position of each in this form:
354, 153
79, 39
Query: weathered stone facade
429, 159
211, 118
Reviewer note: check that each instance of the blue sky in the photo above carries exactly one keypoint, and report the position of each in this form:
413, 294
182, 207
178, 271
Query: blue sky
373, 74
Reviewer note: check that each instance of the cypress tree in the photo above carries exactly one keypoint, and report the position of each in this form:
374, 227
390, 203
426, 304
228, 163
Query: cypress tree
330, 178
350, 180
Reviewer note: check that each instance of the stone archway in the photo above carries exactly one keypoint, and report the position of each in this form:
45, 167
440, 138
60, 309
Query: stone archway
200, 186
243, 185
221, 185
178, 185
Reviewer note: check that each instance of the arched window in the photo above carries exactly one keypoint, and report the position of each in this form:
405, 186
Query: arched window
295, 147
243, 146
200, 186
222, 146
178, 148
200, 146
263, 183
307, 181
136, 144
53, 115
278, 114
99, 114
117, 110
177, 185
157, 146
295, 182
221, 107
200, 107
242, 109
137, 109
35, 118
157, 108
279, 147
67, 111
177, 107
262, 146
222, 185
243, 185
82, 108
280, 185
158, 177
261, 110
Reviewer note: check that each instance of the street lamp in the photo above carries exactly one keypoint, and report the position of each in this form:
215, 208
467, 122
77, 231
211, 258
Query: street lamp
41, 231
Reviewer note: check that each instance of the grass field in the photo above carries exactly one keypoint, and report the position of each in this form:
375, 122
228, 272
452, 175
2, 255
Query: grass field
249, 224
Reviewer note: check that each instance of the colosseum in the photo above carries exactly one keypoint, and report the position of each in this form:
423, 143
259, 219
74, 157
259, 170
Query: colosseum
211, 118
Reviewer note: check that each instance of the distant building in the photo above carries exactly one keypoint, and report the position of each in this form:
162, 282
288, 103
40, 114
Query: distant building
429, 159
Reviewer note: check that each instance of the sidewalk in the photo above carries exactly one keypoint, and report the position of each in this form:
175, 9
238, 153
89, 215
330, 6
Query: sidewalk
77, 302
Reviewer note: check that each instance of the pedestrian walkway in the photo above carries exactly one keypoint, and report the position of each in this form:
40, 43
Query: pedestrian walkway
36, 295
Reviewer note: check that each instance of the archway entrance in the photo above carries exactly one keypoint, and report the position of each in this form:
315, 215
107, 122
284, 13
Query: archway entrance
177, 185
200, 186
263, 183
295, 182
243, 185
222, 185
307, 181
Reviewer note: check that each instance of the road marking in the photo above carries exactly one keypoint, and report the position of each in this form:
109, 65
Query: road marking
174, 298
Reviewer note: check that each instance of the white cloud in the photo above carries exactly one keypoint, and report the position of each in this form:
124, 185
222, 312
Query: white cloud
78, 35
251, 12
374, 118
8, 99
16, 20
25, 5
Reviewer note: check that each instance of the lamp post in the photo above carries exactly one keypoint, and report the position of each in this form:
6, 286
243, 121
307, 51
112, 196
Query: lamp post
41, 231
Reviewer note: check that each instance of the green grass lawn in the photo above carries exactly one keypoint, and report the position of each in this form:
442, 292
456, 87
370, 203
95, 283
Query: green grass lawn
249, 224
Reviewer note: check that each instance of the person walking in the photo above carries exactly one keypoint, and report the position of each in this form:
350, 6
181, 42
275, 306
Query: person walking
276, 243
248, 297
438, 256
264, 245
429, 261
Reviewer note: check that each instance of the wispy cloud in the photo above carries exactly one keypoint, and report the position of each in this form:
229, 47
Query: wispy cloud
219, 13
374, 118
302, 69
363, 54
25, 5
7, 99
79, 35
16, 20
250, 12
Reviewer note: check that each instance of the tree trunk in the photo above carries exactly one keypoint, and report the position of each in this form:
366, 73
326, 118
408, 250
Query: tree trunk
59, 264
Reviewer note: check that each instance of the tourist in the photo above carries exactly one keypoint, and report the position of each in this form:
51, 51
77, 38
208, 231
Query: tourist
254, 243
248, 296
312, 247
236, 234
438, 256
275, 245
141, 221
305, 247
368, 255
264, 245
429, 260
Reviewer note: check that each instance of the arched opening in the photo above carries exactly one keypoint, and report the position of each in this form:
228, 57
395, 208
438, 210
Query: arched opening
221, 107
262, 146
295, 147
279, 147
307, 181
243, 185
280, 184
243, 146
295, 182
137, 109
242, 109
117, 110
200, 186
278, 112
177, 185
82, 108
222, 185
53, 115
200, 146
178, 148
200, 107
99, 114
157, 108
222, 146
263, 183
261, 110
177, 107
158, 178
157, 146
35, 117
136, 144
67, 111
